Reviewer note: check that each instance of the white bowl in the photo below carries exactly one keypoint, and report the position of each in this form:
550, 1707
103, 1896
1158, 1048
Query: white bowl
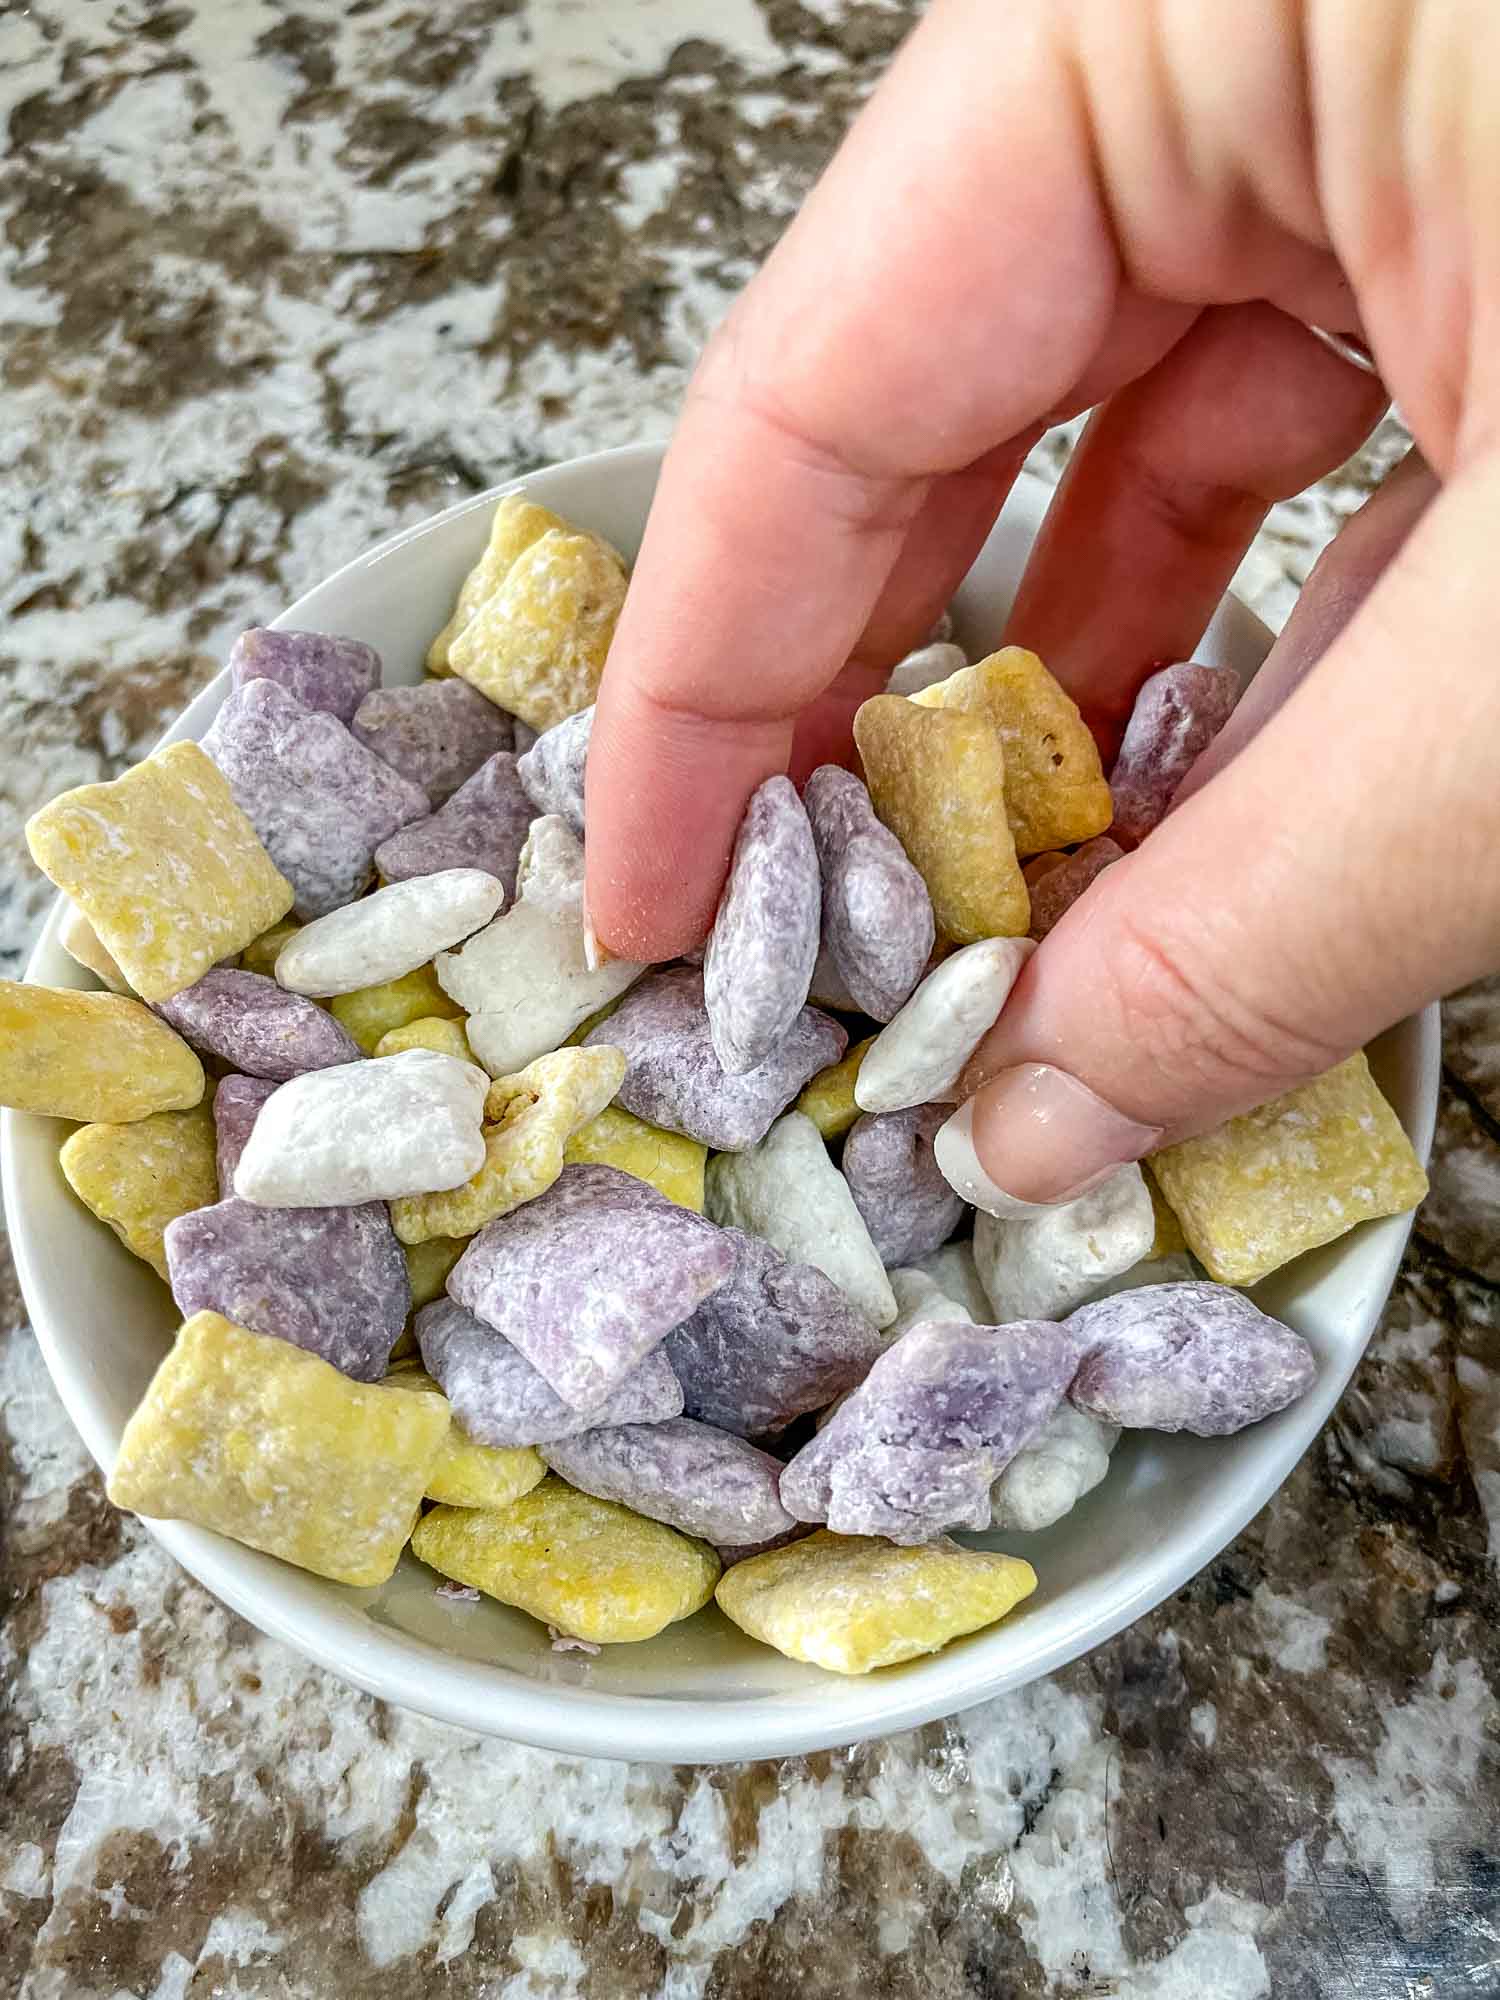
701, 1691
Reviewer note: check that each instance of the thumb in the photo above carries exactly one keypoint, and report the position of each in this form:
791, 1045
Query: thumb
1337, 874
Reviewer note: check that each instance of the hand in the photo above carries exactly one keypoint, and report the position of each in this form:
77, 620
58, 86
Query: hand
1051, 205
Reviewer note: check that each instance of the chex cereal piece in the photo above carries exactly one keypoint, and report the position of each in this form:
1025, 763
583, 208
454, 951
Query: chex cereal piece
908, 1206
674, 1166
1048, 1477
1178, 713
537, 645
165, 866
483, 825
91, 1056
877, 914
552, 770
1042, 1266
761, 950
387, 935
516, 523
248, 1021
319, 670
1054, 889
253, 1438
437, 733
320, 801
919, 1056
696, 1479
139, 1177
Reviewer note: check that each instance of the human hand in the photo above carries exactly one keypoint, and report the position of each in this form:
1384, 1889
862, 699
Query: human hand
1048, 206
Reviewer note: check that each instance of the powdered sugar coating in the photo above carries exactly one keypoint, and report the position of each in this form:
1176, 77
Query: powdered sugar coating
247, 1020
366, 1131
775, 1341
320, 801
437, 733
552, 770
590, 1276
1195, 1357
500, 1399
321, 671
1177, 714
330, 1280
1040, 1267
919, 1056
237, 1103
788, 1191
702, 1481
674, 1078
764, 943
383, 937
908, 1207
483, 825
1048, 1477
877, 914
916, 1448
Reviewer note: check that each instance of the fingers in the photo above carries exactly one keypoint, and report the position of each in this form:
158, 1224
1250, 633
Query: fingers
1166, 491
1338, 873
1341, 580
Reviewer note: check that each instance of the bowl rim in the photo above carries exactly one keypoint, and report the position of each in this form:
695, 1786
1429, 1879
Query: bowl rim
488, 1698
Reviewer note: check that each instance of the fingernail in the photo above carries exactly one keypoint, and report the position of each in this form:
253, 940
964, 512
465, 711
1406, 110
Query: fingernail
595, 955
1033, 1137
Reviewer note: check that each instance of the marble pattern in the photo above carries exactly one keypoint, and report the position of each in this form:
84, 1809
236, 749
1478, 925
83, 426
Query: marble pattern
276, 280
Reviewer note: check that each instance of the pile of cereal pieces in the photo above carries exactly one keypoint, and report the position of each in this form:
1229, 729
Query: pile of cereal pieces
613, 1288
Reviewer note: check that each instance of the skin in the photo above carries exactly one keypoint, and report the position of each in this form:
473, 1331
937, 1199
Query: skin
1059, 204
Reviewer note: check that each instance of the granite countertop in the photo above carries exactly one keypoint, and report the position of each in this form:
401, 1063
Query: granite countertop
274, 282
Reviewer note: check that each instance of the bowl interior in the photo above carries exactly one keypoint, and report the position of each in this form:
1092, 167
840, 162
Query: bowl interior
700, 1690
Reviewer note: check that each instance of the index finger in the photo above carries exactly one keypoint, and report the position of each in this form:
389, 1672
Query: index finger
810, 437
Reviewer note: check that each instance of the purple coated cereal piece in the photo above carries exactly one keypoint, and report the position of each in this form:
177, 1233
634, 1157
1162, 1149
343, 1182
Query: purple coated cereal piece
702, 1481
1177, 714
499, 1398
898, 1187
246, 1019
764, 943
331, 1280
590, 1276
674, 1078
779, 1339
484, 825
877, 915
1193, 1357
552, 770
1056, 887
437, 734
914, 1451
237, 1103
320, 801
320, 670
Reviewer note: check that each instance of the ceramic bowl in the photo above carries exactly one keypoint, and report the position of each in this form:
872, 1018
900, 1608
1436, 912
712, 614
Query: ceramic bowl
701, 1690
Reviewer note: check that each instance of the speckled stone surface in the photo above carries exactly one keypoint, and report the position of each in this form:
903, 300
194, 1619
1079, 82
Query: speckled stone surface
276, 280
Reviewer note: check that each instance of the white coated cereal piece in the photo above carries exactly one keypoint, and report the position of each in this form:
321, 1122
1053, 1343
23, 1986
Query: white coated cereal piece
387, 935
525, 981
366, 1131
1042, 1266
1048, 1477
788, 1191
924, 668
549, 873
918, 1057
84, 946
953, 1270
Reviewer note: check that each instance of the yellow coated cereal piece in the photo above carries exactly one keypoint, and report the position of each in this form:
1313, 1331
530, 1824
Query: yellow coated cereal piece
469, 1474
591, 1568
257, 1439
1055, 793
373, 1011
938, 782
1295, 1173
447, 1038
537, 646
517, 523
91, 1056
80, 941
829, 1099
261, 954
529, 1119
617, 1138
1169, 1240
140, 1177
852, 1603
428, 1264
164, 865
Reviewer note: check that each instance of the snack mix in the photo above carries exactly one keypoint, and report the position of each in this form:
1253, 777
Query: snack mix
611, 1289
